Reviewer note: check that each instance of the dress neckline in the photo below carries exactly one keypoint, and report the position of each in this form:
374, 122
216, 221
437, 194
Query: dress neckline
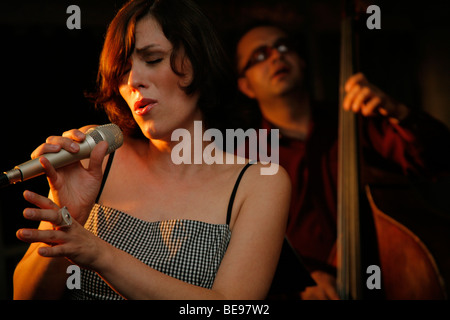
159, 221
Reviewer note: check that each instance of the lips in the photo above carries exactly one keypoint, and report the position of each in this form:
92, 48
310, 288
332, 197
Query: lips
280, 71
143, 106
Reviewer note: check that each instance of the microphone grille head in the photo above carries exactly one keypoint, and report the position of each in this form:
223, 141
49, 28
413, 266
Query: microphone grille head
110, 133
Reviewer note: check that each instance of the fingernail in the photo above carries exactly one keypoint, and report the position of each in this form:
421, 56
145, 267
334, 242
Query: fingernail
29, 213
43, 251
74, 146
26, 233
79, 134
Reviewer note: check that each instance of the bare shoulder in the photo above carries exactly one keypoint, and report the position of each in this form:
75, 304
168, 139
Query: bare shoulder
270, 177
271, 185
266, 175
258, 227
263, 196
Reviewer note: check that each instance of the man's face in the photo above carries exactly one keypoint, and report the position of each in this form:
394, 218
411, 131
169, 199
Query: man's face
268, 65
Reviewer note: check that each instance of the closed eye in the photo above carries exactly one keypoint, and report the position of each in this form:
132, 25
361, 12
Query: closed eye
155, 61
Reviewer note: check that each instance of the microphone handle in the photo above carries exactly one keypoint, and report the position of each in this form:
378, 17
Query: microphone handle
33, 168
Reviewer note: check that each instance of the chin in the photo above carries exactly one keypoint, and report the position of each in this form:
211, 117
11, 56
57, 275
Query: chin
155, 132
290, 86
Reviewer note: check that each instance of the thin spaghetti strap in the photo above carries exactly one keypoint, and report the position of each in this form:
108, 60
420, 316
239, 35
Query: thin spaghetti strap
105, 175
233, 194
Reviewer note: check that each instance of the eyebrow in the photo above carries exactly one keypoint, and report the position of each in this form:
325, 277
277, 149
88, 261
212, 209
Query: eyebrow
258, 49
145, 50
276, 42
261, 46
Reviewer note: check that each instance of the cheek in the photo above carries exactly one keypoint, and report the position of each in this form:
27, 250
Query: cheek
261, 72
125, 92
259, 77
297, 63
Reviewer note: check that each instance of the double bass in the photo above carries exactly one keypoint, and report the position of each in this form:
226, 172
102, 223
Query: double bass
370, 240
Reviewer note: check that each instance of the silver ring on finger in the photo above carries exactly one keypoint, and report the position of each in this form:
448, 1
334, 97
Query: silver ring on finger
66, 218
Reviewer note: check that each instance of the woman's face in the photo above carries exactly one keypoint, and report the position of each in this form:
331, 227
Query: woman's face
152, 90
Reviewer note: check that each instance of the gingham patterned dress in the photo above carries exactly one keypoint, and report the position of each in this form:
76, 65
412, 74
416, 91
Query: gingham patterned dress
188, 250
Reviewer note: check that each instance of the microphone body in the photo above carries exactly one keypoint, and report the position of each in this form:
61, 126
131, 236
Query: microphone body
110, 133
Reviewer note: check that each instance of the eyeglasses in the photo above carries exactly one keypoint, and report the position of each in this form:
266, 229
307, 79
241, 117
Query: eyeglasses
263, 53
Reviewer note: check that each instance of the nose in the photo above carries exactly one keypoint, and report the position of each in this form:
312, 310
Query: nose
276, 55
136, 79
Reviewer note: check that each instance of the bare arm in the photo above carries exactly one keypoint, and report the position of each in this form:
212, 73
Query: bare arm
36, 277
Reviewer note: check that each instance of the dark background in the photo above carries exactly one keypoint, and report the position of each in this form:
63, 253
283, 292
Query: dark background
46, 68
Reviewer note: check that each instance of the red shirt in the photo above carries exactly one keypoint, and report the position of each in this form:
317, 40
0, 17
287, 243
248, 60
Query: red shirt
418, 145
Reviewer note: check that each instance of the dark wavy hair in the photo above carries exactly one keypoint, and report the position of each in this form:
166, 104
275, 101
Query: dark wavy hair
188, 29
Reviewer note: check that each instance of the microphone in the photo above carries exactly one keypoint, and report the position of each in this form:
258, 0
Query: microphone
110, 133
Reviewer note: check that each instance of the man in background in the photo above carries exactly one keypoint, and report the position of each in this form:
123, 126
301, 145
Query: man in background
272, 72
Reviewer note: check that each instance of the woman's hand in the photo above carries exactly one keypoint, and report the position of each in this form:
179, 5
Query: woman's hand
73, 242
67, 142
74, 186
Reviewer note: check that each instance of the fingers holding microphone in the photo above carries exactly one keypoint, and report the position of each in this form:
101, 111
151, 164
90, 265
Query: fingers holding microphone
75, 179
109, 133
92, 164
68, 141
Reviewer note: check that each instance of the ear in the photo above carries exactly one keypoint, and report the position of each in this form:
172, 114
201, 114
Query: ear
187, 73
246, 88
